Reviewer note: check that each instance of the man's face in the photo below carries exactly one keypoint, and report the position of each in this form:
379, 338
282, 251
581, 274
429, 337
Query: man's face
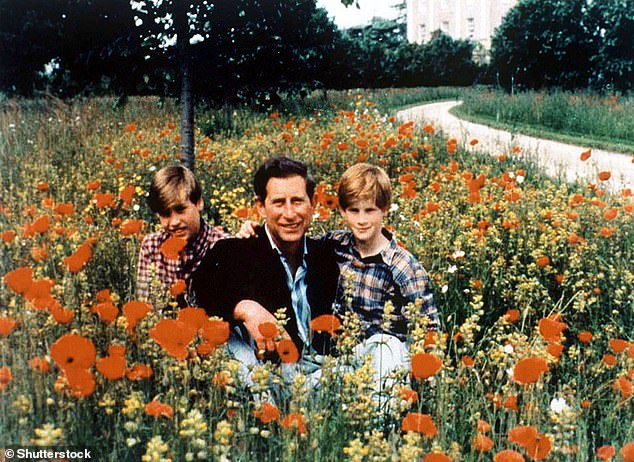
183, 219
287, 210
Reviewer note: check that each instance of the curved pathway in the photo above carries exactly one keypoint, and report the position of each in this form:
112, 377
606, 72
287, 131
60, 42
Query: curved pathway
557, 160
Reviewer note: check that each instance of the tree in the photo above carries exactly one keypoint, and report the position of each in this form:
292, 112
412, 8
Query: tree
543, 43
69, 46
239, 48
612, 28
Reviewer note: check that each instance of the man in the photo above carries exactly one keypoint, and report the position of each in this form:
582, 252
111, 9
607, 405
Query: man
176, 197
247, 281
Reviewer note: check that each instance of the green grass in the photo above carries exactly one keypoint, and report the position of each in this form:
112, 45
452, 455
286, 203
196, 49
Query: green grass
584, 119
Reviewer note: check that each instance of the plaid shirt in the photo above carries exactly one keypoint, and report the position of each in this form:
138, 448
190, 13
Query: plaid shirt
154, 265
391, 275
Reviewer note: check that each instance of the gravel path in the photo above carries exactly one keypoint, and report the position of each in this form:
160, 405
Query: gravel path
557, 160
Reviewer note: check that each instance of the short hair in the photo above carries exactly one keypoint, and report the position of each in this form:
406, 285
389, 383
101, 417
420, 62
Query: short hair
365, 182
171, 186
281, 167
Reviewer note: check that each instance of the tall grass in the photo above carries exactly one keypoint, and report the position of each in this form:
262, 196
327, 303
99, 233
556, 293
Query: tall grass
520, 267
587, 117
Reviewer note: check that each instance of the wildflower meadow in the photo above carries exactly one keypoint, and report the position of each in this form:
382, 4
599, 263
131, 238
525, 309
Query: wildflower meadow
534, 281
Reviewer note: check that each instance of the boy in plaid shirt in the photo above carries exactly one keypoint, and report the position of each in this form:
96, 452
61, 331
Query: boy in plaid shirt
176, 197
377, 269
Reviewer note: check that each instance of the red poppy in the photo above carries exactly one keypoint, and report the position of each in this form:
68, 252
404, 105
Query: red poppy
112, 367
103, 200
604, 176
606, 232
40, 364
61, 315
585, 337
551, 329
627, 452
172, 247
508, 455
483, 427
80, 381
467, 361
510, 403
539, 447
606, 452
611, 214
618, 345
555, 349
295, 421
512, 315
425, 365
107, 311
131, 227
326, 323
409, 395
268, 330
178, 287
19, 280
542, 261
8, 235
135, 311
609, 359
624, 386
173, 336
585, 155
139, 372
482, 443
216, 331
267, 413
158, 409
72, 351
419, 423
287, 351
64, 209
529, 370
6, 326
193, 317
127, 194
5, 377
436, 457
75, 262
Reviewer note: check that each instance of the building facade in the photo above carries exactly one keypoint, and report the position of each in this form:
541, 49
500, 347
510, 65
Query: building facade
461, 19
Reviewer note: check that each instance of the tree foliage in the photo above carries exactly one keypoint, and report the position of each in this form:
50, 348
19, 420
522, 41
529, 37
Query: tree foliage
567, 44
69, 46
544, 43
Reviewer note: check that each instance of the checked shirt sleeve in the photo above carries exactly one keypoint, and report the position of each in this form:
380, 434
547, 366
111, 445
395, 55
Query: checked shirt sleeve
414, 284
143, 269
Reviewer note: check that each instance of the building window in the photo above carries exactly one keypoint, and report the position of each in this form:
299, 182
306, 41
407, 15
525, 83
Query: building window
471, 28
422, 32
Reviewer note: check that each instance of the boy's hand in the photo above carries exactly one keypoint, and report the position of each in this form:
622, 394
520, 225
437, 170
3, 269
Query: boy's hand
248, 229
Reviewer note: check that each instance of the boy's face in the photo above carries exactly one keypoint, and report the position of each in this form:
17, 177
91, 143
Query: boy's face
365, 220
183, 219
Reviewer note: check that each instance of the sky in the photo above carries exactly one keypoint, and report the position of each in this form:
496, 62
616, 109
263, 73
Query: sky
353, 16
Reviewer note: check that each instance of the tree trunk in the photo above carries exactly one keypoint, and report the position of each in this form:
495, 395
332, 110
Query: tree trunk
187, 90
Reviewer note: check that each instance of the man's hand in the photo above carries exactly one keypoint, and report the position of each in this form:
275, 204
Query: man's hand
247, 229
252, 314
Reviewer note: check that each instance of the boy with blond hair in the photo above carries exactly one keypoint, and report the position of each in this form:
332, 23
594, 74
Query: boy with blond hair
377, 270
